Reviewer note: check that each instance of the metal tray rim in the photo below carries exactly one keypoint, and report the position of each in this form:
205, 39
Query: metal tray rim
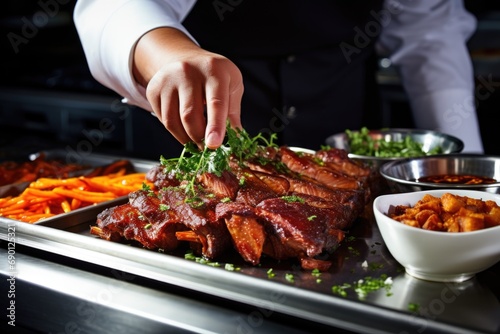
310, 305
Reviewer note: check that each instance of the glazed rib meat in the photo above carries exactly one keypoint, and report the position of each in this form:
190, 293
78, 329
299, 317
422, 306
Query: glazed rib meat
305, 165
338, 160
302, 230
125, 222
247, 232
280, 203
208, 235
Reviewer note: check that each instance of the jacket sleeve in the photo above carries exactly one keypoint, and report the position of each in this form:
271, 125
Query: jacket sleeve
426, 41
109, 31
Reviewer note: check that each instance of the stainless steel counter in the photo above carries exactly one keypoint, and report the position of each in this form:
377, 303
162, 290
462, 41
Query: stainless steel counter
54, 295
69, 281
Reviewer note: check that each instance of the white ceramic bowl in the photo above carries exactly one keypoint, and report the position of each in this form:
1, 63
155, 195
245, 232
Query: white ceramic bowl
433, 255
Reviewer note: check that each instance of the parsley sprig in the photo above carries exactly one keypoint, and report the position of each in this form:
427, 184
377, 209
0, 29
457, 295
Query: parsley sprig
243, 146
193, 162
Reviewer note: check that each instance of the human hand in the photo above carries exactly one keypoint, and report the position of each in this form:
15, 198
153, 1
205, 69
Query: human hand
193, 92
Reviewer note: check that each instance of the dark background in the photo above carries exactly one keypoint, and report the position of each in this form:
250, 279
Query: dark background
48, 99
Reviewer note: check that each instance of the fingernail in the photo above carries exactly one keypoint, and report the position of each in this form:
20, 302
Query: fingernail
212, 140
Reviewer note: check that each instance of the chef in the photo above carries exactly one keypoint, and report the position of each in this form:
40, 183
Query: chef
302, 70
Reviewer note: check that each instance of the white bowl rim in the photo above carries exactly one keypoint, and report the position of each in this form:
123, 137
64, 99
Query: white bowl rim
437, 193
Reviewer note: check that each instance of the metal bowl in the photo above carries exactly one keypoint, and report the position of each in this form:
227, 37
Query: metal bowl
402, 175
428, 139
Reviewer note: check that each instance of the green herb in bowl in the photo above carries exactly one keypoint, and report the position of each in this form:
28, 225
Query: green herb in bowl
365, 143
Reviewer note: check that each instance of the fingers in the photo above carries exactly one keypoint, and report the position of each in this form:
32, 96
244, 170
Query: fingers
223, 103
234, 111
178, 104
191, 113
178, 95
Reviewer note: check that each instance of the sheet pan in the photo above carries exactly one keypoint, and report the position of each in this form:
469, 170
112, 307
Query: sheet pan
469, 307
76, 217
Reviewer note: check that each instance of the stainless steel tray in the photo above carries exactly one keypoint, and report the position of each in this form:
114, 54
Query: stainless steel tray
76, 217
90, 160
469, 307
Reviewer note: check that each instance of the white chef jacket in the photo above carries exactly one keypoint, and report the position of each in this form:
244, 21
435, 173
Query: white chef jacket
424, 39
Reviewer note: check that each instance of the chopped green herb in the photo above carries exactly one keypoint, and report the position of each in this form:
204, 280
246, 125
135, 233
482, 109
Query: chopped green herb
290, 278
293, 198
241, 181
316, 272
190, 256
231, 267
225, 200
353, 251
164, 207
270, 273
369, 284
376, 266
195, 201
212, 264
361, 143
193, 162
148, 226
311, 218
341, 290
319, 161
364, 286
413, 307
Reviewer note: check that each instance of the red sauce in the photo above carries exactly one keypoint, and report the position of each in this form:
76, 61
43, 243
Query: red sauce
457, 179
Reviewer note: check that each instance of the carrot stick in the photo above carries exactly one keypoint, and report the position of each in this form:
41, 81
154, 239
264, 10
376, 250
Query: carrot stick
42, 193
47, 197
46, 183
75, 203
85, 196
65, 206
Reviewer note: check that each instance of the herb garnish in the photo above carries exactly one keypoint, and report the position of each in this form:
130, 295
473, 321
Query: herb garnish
413, 307
293, 198
231, 267
193, 162
164, 207
316, 273
189, 255
270, 273
364, 286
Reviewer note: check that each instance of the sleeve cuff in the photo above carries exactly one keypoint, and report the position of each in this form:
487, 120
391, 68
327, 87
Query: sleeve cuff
122, 36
